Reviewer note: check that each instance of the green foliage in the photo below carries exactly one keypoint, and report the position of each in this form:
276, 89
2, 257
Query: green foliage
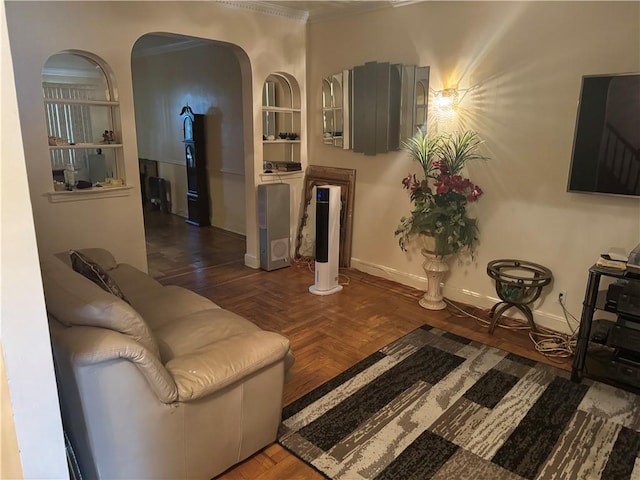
458, 148
440, 199
422, 149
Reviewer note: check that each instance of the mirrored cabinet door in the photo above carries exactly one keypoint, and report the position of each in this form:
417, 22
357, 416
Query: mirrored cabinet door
337, 99
327, 112
421, 99
371, 108
334, 97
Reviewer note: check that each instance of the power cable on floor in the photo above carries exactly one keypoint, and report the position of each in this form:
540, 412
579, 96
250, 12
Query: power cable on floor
548, 342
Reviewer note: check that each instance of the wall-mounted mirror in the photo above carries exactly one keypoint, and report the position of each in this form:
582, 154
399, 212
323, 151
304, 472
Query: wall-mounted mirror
374, 106
334, 99
269, 117
422, 101
415, 95
375, 116
327, 112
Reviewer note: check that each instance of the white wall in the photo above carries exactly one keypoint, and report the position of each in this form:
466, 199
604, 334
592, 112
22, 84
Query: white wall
109, 30
525, 62
208, 79
24, 336
10, 466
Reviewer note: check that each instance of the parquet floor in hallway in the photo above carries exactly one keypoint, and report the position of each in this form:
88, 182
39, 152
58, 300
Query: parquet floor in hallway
328, 334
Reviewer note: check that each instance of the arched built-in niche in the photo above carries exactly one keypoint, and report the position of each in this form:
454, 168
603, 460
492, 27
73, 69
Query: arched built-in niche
83, 122
281, 124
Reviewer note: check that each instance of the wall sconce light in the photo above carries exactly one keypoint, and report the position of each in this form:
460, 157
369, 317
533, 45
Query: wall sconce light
447, 102
447, 99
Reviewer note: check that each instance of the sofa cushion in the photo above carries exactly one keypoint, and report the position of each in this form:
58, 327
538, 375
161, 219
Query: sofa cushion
198, 331
74, 300
135, 284
158, 304
94, 272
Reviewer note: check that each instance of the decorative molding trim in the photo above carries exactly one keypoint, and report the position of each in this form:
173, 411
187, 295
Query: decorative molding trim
251, 261
544, 319
404, 3
268, 9
351, 8
336, 9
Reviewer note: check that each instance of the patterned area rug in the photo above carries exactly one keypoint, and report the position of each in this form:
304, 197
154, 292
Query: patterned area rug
436, 405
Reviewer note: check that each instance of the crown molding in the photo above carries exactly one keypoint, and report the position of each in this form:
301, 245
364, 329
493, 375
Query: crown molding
350, 8
335, 9
268, 9
404, 3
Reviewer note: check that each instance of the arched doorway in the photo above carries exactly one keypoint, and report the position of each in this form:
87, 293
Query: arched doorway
168, 72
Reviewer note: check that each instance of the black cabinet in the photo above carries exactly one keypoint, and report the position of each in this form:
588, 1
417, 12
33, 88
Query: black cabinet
603, 353
195, 157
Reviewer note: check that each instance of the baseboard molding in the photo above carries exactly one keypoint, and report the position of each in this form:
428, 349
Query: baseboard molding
542, 318
251, 261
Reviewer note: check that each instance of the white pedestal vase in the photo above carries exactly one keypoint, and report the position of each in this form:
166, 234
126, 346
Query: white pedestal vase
436, 268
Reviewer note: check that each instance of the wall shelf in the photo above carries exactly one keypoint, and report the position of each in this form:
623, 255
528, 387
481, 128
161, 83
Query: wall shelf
89, 194
281, 114
90, 146
280, 109
277, 175
75, 101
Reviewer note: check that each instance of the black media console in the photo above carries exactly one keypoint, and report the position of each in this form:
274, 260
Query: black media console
609, 350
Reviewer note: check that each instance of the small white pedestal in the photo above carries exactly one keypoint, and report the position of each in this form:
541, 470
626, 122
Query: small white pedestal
436, 269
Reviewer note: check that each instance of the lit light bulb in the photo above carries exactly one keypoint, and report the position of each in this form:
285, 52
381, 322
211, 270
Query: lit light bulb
447, 98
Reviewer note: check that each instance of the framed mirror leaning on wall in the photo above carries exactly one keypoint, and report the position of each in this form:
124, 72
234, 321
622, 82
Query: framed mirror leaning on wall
370, 108
316, 176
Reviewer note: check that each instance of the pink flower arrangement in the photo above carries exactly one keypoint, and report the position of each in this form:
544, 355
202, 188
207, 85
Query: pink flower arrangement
441, 198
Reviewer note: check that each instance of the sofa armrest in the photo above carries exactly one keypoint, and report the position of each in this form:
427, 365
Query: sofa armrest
225, 362
91, 345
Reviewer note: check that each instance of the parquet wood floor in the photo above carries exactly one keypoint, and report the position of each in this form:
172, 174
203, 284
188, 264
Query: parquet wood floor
328, 334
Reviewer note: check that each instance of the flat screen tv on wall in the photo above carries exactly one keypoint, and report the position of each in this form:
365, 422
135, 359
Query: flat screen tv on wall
606, 146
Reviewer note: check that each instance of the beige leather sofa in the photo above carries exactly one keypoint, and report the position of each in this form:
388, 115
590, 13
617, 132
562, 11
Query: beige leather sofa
166, 386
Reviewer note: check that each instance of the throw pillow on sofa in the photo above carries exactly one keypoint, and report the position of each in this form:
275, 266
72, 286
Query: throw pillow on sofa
94, 272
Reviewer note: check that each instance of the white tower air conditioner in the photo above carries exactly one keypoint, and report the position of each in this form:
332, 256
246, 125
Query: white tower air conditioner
274, 225
327, 240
